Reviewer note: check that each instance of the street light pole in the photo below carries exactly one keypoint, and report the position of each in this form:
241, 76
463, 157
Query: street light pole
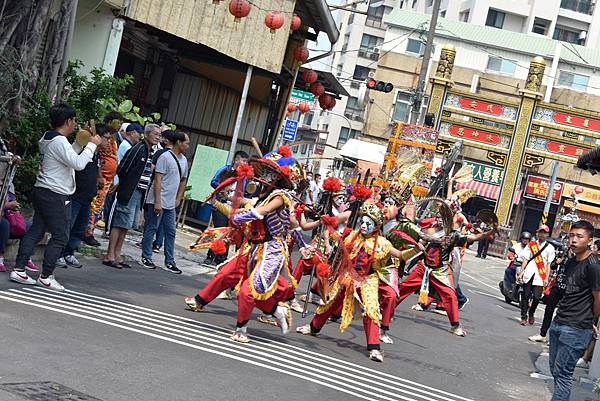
425, 64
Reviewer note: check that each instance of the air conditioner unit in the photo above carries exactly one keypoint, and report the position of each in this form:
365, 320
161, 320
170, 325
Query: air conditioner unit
582, 35
376, 50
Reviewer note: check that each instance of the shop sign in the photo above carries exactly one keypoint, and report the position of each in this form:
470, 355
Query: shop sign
482, 107
588, 194
486, 173
537, 188
576, 121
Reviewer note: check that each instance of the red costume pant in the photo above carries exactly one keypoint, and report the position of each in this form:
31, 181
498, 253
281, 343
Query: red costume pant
447, 294
387, 303
228, 276
371, 329
247, 303
304, 266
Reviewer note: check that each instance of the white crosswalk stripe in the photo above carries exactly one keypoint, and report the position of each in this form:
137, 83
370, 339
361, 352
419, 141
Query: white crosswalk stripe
289, 359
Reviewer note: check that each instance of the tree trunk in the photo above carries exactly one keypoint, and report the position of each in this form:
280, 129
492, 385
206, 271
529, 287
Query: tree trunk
71, 11
53, 59
15, 12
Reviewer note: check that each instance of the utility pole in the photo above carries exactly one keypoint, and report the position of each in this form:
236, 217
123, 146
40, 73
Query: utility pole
416, 109
555, 168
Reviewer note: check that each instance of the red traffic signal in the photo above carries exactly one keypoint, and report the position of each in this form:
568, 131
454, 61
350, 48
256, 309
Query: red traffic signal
380, 86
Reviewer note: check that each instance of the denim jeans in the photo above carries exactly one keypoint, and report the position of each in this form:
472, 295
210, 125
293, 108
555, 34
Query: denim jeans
567, 344
460, 296
151, 223
80, 217
160, 235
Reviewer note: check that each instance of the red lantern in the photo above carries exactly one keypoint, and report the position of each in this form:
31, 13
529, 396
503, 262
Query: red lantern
317, 89
296, 22
332, 104
239, 9
578, 189
325, 101
291, 107
274, 20
309, 76
304, 107
300, 54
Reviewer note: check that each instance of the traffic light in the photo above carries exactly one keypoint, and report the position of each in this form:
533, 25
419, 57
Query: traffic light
379, 86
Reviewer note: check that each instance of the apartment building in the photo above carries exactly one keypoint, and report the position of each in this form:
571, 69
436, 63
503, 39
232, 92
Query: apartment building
572, 21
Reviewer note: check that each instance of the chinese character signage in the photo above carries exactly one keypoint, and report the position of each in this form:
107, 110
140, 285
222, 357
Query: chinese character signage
474, 135
482, 107
576, 121
485, 173
564, 149
588, 194
537, 188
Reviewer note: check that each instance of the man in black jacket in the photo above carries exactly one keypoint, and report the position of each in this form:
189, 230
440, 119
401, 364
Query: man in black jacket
87, 182
135, 172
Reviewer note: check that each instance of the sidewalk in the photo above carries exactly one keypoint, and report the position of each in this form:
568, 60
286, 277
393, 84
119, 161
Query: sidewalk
189, 262
582, 384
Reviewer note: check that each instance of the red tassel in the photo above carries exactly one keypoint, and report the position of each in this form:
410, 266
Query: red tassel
218, 247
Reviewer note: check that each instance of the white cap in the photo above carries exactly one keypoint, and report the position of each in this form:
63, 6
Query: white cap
124, 127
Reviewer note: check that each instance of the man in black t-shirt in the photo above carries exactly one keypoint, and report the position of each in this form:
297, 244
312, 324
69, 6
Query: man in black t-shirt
579, 307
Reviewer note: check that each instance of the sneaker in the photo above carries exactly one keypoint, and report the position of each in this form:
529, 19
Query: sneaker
461, 306
32, 267
582, 363
266, 319
148, 263
305, 330
60, 262
240, 337
376, 355
538, 339
50, 283
296, 307
208, 262
193, 305
385, 338
72, 261
458, 331
171, 267
21, 277
156, 249
91, 241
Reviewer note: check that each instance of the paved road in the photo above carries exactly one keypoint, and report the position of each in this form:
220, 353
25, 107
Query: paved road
124, 335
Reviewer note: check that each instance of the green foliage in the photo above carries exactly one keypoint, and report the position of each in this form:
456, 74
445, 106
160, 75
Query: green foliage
95, 96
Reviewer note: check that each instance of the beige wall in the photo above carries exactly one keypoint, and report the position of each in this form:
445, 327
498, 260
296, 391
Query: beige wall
249, 40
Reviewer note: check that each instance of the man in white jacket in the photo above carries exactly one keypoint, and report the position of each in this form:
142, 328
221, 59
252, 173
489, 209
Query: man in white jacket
50, 196
537, 257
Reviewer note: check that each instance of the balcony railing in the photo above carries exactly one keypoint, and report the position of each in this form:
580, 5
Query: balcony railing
580, 6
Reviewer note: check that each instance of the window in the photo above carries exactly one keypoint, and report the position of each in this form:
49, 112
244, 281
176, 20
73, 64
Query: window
369, 43
415, 46
565, 35
375, 16
308, 118
352, 103
574, 81
429, 3
443, 14
351, 19
495, 18
361, 73
502, 66
580, 6
402, 107
464, 15
540, 26
345, 134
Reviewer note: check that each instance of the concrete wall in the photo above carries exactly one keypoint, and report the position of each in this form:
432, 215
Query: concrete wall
92, 30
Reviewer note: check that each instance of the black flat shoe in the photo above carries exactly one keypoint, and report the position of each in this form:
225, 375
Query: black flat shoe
124, 265
111, 263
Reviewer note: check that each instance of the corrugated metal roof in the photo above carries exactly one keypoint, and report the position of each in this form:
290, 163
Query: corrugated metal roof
534, 45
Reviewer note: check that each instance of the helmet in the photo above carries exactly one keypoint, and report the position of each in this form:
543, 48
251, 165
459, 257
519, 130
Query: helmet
525, 235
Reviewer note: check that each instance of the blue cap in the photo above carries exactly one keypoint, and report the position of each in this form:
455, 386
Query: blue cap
134, 127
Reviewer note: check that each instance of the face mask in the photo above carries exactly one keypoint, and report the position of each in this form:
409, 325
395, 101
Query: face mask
389, 202
367, 226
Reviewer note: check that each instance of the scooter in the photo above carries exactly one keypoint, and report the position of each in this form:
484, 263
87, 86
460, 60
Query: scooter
508, 286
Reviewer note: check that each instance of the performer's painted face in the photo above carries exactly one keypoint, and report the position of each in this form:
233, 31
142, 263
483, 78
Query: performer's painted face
367, 226
338, 200
454, 204
389, 201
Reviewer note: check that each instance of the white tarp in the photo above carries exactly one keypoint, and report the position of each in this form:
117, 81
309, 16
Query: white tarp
362, 150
